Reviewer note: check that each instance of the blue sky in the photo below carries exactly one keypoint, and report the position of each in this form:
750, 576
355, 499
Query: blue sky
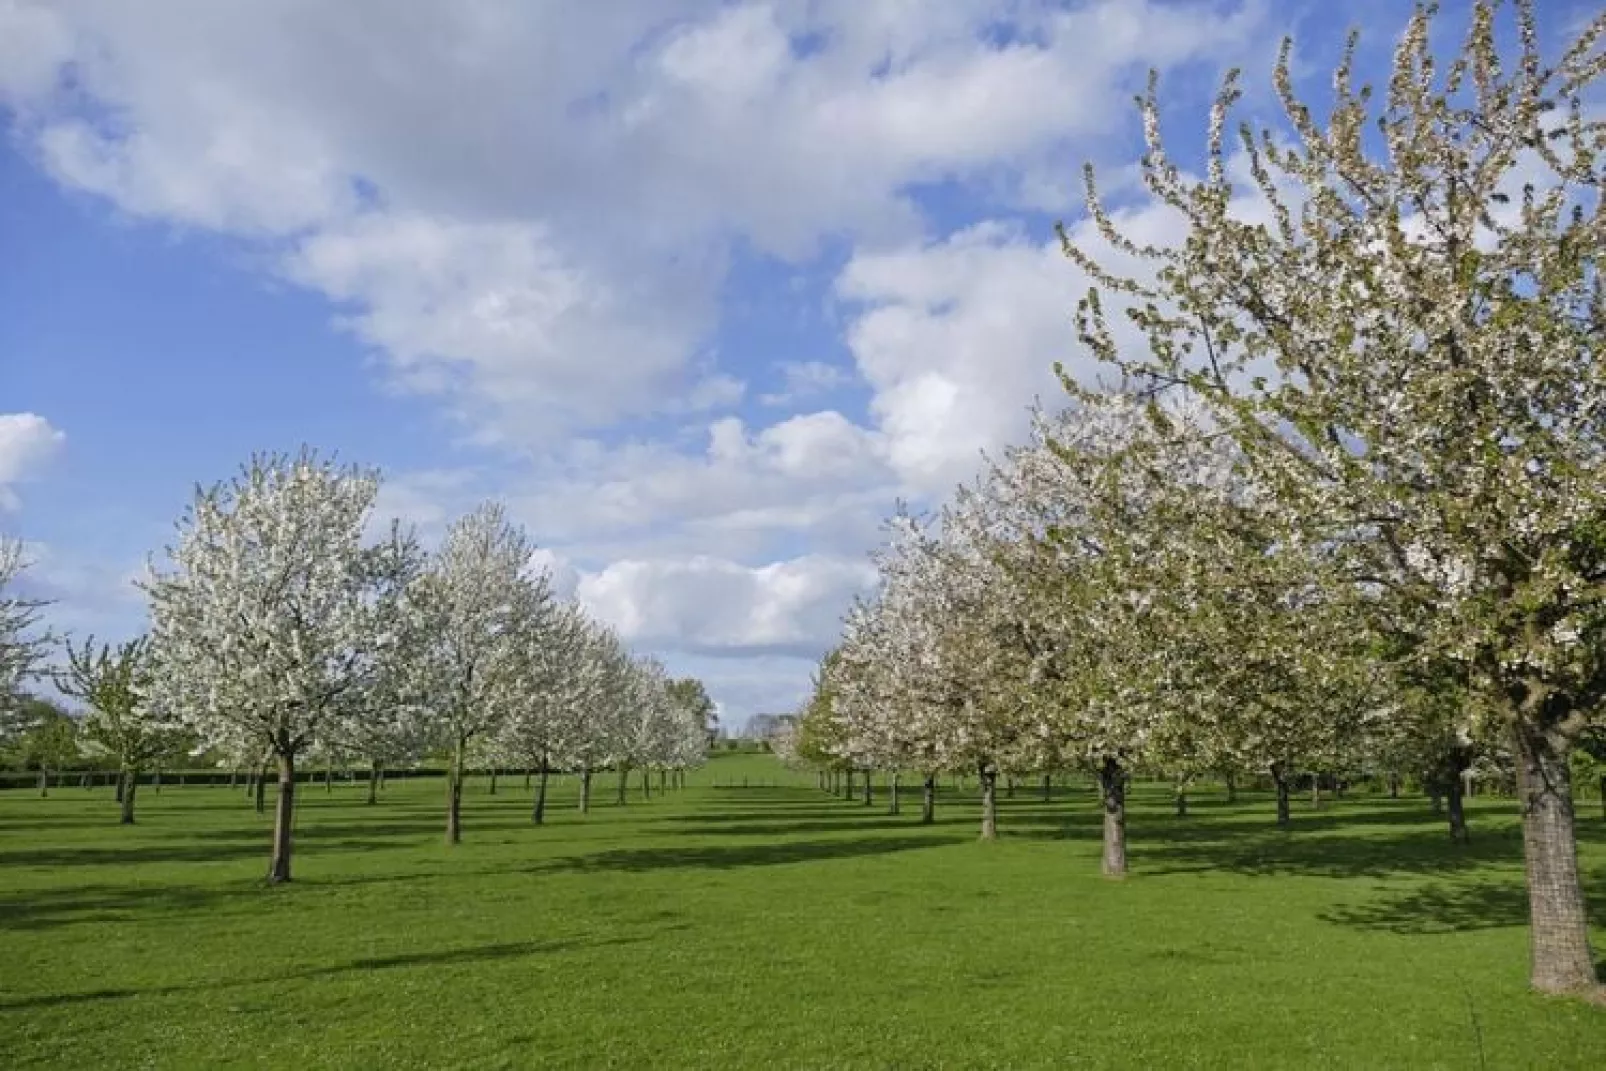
700, 289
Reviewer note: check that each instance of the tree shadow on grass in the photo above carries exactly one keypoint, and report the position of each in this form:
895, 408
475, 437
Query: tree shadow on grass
1317, 854
240, 846
786, 828
442, 957
723, 858
1454, 907
46, 909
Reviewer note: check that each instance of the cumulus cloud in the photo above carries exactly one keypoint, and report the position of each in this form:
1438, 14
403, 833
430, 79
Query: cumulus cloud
711, 606
529, 203
27, 442
529, 211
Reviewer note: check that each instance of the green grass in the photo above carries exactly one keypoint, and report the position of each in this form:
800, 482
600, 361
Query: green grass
768, 926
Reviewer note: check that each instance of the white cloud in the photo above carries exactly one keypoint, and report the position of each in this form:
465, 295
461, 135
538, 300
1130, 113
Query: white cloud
801, 478
492, 315
527, 205
804, 380
84, 595
711, 606
27, 442
528, 209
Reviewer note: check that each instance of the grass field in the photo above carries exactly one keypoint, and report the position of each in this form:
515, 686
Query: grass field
769, 926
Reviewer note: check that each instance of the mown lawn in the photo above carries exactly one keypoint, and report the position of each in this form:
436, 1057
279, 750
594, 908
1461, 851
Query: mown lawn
770, 925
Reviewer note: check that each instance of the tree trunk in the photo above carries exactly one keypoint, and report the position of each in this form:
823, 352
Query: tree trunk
1315, 791
493, 780
44, 782
894, 806
1009, 787
928, 800
624, 784
869, 789
1458, 818
329, 776
1394, 786
847, 782
1561, 961
156, 780
283, 819
1182, 800
381, 779
526, 777
261, 800
234, 776
989, 802
646, 784
1436, 798
1232, 787
585, 790
663, 782
538, 810
1279, 777
1112, 787
126, 796
454, 795
373, 783
122, 777
1048, 787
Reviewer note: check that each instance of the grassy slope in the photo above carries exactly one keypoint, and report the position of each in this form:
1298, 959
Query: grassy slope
768, 925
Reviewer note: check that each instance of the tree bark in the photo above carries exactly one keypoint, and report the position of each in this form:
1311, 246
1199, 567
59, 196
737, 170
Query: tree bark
1560, 957
126, 797
526, 777
646, 784
283, 820
454, 795
894, 806
538, 809
1279, 777
928, 800
1048, 787
1394, 786
869, 789
585, 790
1009, 787
989, 802
373, 783
122, 778
1232, 787
234, 776
1182, 801
1458, 817
663, 782
261, 799
624, 785
847, 782
493, 780
1112, 788
44, 782
1315, 791
329, 776
156, 780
